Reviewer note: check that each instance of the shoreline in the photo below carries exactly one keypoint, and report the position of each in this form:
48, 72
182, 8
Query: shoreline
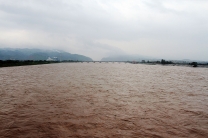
14, 63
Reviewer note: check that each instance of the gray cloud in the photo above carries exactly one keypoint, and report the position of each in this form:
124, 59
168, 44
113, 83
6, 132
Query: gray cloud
98, 28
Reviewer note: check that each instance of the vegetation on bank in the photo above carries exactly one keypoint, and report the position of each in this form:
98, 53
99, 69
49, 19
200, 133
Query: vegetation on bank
9, 63
164, 62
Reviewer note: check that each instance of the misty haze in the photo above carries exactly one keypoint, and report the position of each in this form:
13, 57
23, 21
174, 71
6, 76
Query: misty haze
94, 68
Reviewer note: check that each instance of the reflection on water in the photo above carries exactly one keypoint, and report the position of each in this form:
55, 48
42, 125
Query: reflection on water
103, 100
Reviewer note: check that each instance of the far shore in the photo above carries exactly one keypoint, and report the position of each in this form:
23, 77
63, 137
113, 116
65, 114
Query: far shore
12, 63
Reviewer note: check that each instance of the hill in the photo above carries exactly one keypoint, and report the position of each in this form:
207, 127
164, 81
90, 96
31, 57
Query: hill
127, 58
39, 54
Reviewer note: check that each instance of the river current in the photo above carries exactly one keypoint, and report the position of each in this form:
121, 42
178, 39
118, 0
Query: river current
96, 100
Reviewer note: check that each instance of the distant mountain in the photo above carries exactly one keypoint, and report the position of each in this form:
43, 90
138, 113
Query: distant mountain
38, 54
127, 58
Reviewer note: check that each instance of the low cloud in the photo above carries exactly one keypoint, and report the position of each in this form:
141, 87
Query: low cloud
97, 28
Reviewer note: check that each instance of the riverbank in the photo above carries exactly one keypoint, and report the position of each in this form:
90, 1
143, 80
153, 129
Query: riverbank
11, 63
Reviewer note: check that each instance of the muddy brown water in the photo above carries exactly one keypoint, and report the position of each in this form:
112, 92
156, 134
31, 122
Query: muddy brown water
103, 100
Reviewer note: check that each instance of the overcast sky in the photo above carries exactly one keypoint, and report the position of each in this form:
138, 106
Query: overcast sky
170, 29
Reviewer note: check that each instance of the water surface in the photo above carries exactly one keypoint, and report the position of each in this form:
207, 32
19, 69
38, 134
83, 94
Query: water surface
103, 100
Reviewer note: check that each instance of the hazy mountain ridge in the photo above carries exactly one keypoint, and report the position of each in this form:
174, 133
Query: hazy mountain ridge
127, 58
140, 58
38, 54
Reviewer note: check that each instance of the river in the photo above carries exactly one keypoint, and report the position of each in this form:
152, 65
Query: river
96, 100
